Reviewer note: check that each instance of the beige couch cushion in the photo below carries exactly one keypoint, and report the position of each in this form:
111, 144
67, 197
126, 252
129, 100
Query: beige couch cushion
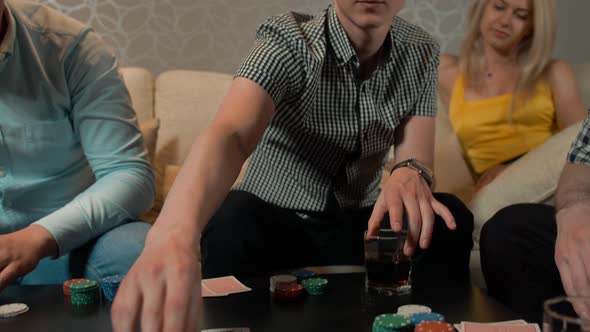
450, 169
185, 103
531, 179
149, 131
140, 83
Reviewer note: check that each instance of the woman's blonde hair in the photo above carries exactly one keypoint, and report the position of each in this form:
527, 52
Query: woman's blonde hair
533, 54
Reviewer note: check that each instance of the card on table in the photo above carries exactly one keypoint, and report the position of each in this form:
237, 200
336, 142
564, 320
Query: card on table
459, 326
512, 326
222, 286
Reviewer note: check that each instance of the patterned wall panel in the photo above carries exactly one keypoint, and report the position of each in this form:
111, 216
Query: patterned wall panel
216, 34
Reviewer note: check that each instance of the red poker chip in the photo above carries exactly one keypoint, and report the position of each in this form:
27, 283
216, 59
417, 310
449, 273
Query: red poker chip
434, 327
288, 292
67, 283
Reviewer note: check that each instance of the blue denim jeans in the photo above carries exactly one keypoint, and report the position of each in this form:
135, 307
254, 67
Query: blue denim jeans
112, 253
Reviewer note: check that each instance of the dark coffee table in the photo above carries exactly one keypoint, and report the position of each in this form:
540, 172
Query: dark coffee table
345, 307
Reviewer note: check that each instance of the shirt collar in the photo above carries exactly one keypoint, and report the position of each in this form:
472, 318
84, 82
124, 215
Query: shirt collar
338, 38
341, 45
7, 45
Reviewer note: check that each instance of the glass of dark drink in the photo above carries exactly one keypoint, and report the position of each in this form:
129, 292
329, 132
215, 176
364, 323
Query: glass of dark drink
566, 314
388, 270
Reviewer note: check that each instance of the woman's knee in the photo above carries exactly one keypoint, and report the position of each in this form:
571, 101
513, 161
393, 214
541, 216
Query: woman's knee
511, 222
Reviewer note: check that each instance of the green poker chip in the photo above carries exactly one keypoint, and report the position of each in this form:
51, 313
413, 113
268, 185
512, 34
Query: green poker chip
84, 286
85, 292
315, 286
390, 323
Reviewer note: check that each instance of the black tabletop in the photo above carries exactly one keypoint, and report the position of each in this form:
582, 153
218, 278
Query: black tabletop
345, 307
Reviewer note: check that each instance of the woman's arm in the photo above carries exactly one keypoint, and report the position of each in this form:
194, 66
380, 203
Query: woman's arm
566, 95
448, 70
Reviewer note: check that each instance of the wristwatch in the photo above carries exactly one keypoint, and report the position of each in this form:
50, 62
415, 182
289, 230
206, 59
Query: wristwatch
422, 169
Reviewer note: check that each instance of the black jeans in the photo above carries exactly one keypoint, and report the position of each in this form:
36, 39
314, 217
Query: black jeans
517, 247
248, 236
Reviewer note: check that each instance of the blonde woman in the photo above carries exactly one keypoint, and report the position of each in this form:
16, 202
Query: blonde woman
505, 93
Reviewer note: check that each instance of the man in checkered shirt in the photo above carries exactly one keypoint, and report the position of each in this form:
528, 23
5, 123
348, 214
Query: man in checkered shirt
534, 252
319, 101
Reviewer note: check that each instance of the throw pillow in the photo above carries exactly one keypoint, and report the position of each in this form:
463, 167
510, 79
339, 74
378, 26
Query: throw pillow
149, 131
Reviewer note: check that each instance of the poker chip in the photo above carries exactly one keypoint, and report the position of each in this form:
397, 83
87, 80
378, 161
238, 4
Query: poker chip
390, 323
434, 327
315, 286
67, 283
85, 292
13, 309
110, 285
288, 292
410, 309
303, 274
426, 317
281, 279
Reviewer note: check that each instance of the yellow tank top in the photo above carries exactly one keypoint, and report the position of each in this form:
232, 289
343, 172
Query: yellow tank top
484, 129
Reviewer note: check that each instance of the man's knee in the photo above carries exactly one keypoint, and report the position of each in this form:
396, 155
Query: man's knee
237, 212
117, 250
463, 217
234, 232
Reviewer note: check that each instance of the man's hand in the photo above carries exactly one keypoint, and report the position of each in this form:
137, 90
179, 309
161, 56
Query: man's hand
162, 291
21, 251
407, 192
572, 249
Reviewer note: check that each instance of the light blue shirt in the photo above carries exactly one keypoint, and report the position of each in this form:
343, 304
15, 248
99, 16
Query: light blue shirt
72, 158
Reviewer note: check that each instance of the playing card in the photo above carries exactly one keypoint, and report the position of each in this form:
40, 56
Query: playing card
224, 285
499, 327
459, 326
206, 292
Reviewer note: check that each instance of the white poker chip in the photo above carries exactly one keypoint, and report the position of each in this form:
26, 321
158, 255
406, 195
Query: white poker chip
410, 309
13, 309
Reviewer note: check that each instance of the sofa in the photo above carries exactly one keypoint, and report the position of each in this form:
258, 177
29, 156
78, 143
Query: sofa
174, 107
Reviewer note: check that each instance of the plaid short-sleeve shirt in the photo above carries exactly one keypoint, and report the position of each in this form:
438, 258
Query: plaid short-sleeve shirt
324, 147
580, 150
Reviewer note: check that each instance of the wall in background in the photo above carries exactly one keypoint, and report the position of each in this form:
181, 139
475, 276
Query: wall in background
573, 43
216, 35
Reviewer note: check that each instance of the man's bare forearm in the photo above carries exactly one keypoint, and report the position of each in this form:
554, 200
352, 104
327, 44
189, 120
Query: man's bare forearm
204, 180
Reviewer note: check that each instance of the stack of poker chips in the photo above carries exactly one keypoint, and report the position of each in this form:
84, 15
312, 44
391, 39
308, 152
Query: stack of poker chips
410, 309
110, 285
426, 317
281, 280
284, 287
391, 323
66, 285
13, 309
288, 292
85, 293
315, 286
434, 327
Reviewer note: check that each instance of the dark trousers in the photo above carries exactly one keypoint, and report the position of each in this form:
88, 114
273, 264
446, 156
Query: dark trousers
517, 247
248, 236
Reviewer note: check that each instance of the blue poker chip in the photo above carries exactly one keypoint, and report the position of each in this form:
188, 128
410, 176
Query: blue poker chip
110, 285
303, 274
420, 317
